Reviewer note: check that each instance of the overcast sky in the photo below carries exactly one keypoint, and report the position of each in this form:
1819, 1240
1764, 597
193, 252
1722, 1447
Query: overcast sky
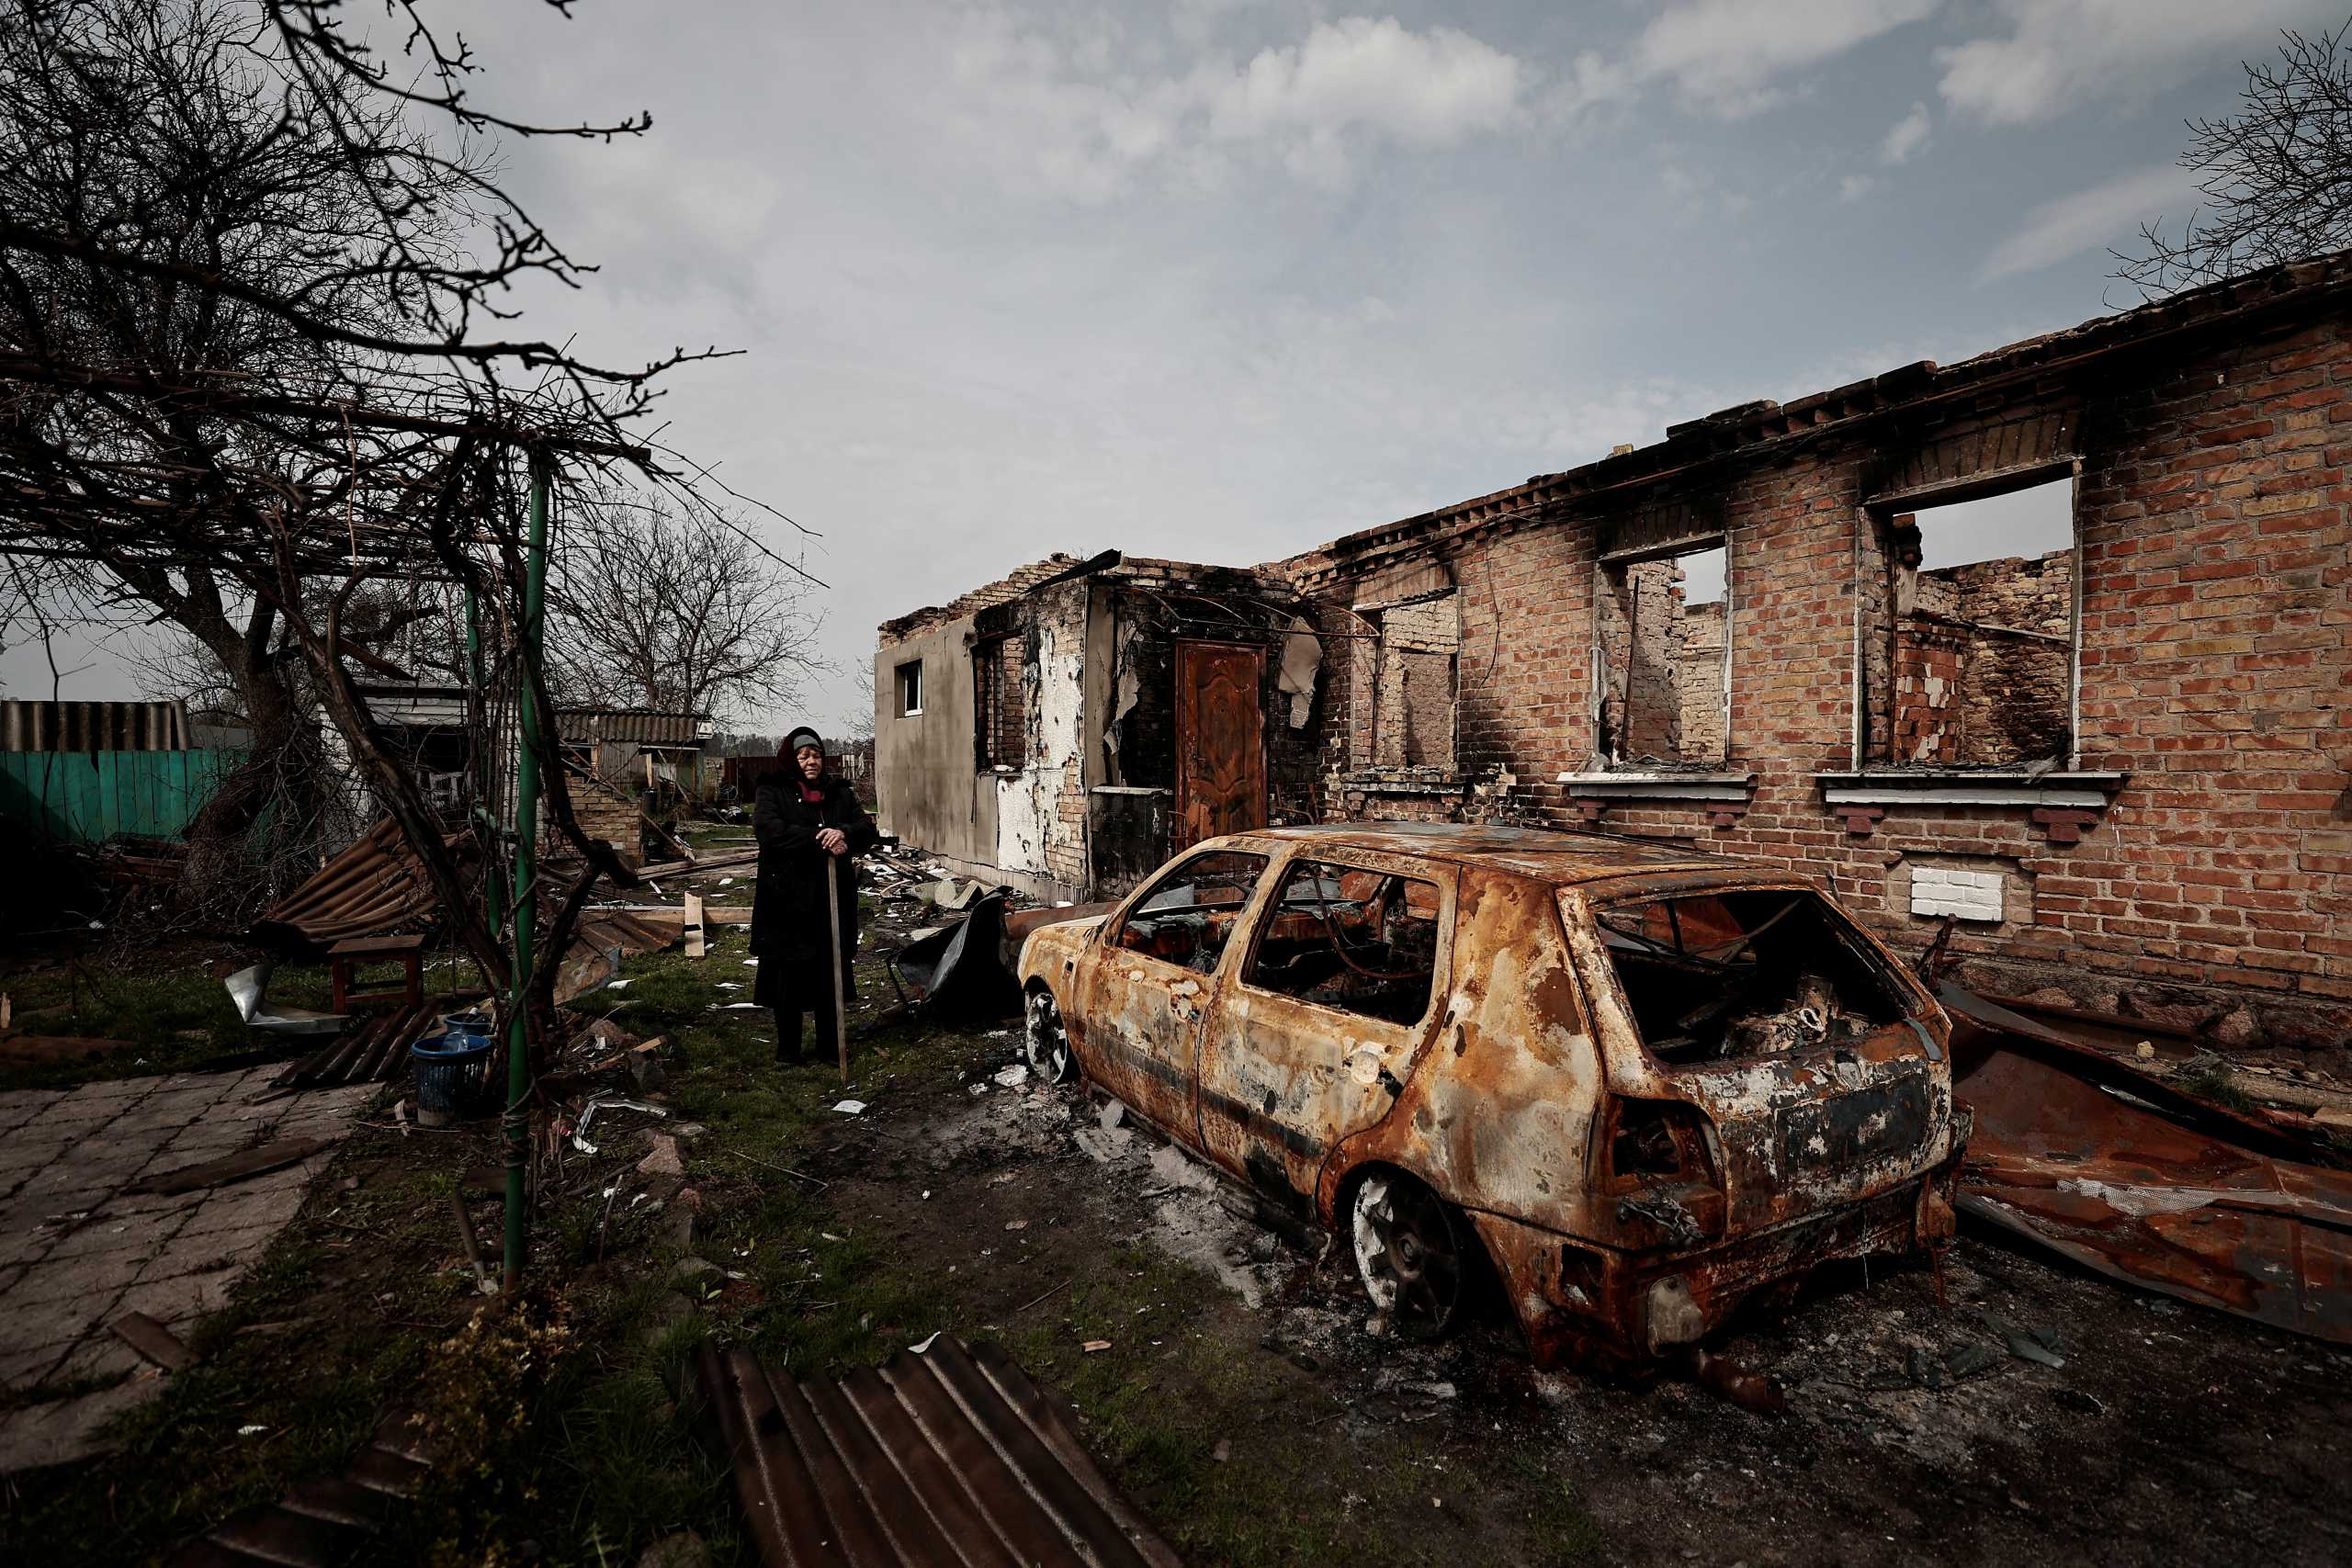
1224, 279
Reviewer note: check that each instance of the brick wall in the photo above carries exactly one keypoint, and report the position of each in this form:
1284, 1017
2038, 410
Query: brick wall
2217, 652
1699, 679
1981, 662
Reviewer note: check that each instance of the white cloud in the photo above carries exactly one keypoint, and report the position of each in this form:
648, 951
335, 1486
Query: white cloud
1432, 89
1064, 116
1853, 187
1909, 135
2106, 214
2056, 53
1725, 54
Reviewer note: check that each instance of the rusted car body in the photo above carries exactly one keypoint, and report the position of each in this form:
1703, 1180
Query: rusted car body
1577, 1048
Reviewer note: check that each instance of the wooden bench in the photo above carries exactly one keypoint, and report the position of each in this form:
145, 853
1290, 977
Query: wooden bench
344, 958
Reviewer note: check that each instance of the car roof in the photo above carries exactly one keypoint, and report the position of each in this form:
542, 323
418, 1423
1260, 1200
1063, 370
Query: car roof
1554, 857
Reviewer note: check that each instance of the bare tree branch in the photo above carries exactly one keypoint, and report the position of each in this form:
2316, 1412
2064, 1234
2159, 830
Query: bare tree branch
2276, 175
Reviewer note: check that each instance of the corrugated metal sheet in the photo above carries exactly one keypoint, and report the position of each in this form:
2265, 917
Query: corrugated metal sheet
87, 797
27, 725
950, 1456
642, 727
375, 1051
375, 887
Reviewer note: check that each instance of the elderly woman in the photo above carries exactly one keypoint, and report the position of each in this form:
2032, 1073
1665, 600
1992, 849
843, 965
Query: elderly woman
804, 817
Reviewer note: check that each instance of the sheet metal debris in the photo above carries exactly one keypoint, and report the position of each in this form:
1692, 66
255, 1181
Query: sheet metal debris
325, 1522
947, 1456
376, 887
374, 1052
249, 989
2136, 1180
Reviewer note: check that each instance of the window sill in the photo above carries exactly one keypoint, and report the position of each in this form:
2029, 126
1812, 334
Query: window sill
1955, 787
1632, 783
1404, 780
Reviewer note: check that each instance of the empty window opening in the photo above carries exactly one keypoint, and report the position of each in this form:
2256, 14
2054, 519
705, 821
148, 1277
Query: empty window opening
1743, 974
1000, 704
1188, 917
1414, 684
1982, 595
1363, 942
910, 690
1664, 648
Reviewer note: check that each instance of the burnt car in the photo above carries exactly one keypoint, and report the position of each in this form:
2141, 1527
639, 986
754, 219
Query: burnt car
1639, 1084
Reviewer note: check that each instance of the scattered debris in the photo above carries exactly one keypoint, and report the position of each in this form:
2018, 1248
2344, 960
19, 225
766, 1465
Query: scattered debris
1093, 1345
952, 1444
232, 1168
849, 1107
2129, 1176
153, 1340
248, 988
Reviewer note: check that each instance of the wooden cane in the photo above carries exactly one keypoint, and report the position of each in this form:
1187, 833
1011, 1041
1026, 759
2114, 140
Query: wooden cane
833, 909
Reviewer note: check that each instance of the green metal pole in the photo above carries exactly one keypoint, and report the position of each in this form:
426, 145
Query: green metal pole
493, 882
526, 893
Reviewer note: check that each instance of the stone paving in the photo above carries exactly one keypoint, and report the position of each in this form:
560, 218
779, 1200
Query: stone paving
76, 1252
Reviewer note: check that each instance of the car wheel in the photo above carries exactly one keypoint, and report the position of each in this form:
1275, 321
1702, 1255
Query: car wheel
1410, 1252
1045, 1040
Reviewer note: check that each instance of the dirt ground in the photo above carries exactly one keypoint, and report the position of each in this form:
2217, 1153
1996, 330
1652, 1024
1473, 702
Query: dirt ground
1236, 1391
2169, 1433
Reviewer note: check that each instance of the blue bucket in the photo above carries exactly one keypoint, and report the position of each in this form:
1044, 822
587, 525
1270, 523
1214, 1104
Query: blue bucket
453, 1069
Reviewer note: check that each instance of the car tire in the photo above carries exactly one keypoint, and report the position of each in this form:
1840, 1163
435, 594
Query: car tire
1413, 1253
1044, 1038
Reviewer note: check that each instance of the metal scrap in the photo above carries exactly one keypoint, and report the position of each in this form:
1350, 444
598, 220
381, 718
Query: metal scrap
375, 1051
376, 887
249, 989
2133, 1177
950, 1455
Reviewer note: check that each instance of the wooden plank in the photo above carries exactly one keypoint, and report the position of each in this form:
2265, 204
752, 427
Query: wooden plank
153, 1340
697, 947
232, 1168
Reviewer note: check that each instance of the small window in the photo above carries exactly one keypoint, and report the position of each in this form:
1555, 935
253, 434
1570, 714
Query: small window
1747, 974
1000, 704
1188, 917
1664, 648
1982, 646
910, 690
1363, 942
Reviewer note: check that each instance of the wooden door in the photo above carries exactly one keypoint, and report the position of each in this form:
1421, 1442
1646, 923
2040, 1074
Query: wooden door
1220, 741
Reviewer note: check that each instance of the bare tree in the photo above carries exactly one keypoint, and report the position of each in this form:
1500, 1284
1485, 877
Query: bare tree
2276, 175
686, 613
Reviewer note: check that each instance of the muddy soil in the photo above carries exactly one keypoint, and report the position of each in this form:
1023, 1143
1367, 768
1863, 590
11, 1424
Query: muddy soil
2168, 1434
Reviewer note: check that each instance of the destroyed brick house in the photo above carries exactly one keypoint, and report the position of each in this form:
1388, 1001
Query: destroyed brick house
2054, 642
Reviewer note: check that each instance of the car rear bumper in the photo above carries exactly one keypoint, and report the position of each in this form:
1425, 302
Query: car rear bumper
1581, 1303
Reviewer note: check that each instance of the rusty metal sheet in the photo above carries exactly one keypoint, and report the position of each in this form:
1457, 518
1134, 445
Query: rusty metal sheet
323, 1522
376, 887
948, 1457
1220, 741
28, 725
374, 1052
635, 727
2110, 1168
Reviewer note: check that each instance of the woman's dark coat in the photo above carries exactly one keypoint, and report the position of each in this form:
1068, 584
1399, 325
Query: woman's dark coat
789, 921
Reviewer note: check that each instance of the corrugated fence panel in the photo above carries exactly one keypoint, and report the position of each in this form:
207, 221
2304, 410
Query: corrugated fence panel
86, 797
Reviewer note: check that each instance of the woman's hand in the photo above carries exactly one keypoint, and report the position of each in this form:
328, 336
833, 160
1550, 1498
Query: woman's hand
833, 841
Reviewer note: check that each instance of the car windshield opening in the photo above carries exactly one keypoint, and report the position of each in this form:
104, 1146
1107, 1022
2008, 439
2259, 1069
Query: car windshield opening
1363, 942
1720, 976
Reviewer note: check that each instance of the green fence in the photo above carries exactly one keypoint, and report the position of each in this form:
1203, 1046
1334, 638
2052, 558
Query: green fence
85, 797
